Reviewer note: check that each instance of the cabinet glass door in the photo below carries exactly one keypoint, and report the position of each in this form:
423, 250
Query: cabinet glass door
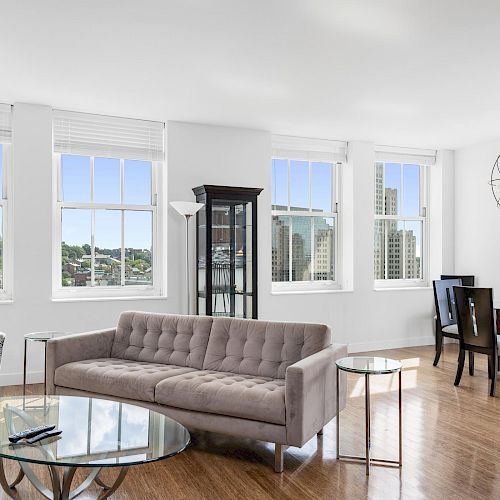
231, 259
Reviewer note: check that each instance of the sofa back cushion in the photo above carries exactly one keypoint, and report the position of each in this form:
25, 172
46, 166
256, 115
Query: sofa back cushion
261, 348
162, 338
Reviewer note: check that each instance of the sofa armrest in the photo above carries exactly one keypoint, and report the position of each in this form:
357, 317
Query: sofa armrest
310, 393
78, 347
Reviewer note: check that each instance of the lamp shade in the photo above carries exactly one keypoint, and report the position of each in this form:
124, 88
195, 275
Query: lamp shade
186, 207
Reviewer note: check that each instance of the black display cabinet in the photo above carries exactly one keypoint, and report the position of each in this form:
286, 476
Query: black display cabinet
226, 255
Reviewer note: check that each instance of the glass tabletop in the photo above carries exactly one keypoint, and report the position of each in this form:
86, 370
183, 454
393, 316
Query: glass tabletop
43, 336
368, 364
95, 432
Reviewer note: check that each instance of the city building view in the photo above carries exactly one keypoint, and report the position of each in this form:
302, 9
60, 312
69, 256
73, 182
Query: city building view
395, 246
312, 248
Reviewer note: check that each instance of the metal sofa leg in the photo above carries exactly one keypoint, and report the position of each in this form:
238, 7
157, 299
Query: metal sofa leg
278, 457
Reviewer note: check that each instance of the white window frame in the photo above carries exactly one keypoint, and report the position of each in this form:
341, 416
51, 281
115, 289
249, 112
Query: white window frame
6, 292
312, 285
122, 291
423, 218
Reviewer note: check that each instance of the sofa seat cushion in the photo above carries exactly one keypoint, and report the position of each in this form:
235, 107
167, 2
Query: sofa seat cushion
244, 396
116, 377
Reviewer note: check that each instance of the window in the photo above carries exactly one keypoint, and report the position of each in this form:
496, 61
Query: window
305, 223
5, 160
106, 208
400, 223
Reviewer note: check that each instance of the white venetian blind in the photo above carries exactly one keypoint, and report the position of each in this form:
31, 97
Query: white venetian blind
405, 155
109, 136
299, 148
5, 123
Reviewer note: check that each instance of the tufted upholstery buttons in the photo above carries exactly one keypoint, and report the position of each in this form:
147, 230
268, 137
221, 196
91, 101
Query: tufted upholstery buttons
244, 396
162, 338
261, 348
116, 377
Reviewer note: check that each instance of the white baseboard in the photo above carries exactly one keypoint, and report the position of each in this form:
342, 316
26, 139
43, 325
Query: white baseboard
378, 345
17, 378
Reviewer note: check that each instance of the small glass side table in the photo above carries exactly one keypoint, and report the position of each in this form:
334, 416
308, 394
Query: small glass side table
39, 337
367, 366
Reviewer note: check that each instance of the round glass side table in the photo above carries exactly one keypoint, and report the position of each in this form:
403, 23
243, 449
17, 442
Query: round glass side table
364, 365
39, 337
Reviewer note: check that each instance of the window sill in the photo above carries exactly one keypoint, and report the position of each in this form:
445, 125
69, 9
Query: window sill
400, 288
108, 299
311, 292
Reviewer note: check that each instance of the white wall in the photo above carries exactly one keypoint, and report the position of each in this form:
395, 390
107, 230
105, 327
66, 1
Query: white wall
198, 154
33, 309
364, 318
477, 227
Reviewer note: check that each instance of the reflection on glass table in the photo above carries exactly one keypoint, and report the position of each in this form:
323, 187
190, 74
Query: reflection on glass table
96, 433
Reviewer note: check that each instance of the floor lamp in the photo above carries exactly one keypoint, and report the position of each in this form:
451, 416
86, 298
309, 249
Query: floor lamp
186, 209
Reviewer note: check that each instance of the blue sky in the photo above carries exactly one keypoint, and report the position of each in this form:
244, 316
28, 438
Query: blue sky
321, 184
76, 186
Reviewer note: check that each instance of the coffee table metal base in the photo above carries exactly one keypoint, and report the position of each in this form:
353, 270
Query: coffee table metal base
61, 486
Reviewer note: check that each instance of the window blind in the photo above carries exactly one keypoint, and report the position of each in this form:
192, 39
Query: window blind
109, 136
405, 155
299, 148
5, 123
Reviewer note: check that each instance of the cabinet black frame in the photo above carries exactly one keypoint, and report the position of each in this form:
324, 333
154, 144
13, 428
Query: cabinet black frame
208, 194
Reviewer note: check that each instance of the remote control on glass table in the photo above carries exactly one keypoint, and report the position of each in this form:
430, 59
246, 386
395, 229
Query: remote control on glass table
29, 433
45, 435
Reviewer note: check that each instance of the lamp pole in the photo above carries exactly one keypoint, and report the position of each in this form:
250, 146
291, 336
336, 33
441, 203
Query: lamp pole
188, 308
187, 209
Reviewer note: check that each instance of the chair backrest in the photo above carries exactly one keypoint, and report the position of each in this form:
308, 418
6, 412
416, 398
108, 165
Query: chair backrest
2, 341
444, 299
476, 324
467, 279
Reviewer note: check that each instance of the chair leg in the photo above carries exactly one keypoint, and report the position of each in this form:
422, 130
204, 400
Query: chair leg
439, 345
471, 363
278, 457
494, 368
460, 369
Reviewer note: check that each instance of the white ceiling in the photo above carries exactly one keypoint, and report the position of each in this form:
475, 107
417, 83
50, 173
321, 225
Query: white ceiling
422, 73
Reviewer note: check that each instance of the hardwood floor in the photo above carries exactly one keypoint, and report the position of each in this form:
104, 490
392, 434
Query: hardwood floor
451, 446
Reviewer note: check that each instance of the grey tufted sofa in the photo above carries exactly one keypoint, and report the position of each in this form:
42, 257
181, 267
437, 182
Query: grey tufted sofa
263, 380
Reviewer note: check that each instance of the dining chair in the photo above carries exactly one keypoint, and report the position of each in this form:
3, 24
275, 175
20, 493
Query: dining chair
446, 316
476, 328
2, 341
467, 279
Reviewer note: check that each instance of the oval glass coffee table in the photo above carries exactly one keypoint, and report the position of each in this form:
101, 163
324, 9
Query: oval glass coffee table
366, 365
96, 434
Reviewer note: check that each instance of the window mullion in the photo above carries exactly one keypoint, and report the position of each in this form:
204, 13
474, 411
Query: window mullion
313, 251
122, 278
290, 248
404, 250
92, 247
386, 249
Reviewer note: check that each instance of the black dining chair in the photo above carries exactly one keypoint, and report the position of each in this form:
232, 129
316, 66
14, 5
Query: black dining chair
477, 328
467, 279
446, 314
